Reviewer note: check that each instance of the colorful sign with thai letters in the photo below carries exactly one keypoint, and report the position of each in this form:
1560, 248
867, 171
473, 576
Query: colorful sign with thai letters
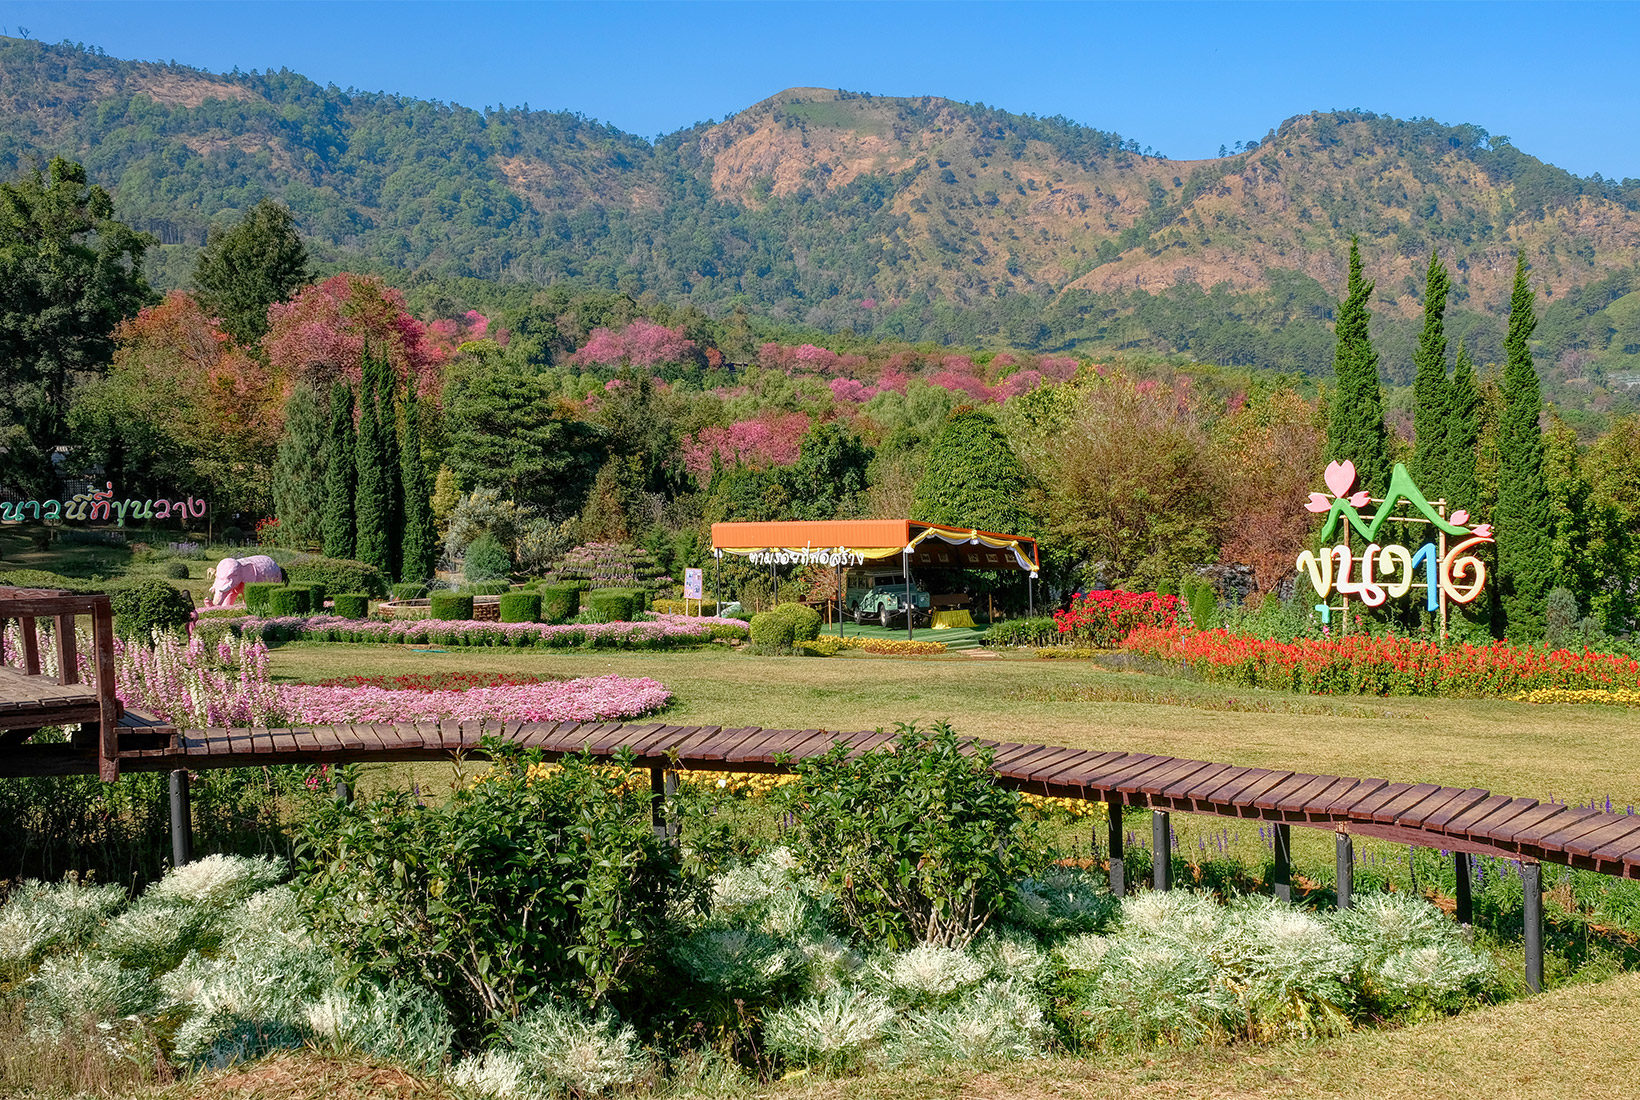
1380, 571
100, 507
692, 584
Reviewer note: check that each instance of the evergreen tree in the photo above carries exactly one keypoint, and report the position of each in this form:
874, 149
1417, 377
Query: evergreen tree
973, 478
420, 538
1431, 391
299, 469
373, 496
1571, 511
1356, 431
242, 271
1524, 525
830, 471
387, 416
1463, 432
341, 474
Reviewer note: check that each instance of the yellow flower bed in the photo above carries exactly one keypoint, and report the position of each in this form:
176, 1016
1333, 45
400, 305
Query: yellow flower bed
1621, 697
894, 647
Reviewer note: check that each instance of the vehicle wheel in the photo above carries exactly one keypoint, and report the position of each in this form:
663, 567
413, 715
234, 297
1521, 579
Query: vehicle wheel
885, 618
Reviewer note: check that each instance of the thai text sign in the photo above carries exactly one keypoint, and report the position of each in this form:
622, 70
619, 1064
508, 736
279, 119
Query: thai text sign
1382, 570
100, 507
806, 556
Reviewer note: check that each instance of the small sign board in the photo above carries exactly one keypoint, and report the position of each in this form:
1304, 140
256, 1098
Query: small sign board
692, 584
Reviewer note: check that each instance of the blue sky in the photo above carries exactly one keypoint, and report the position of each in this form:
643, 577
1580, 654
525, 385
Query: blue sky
1182, 78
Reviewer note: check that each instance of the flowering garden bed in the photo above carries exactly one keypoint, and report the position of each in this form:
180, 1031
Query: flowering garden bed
658, 632
1375, 665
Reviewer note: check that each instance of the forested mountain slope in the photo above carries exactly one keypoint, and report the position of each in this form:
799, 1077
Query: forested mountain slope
920, 218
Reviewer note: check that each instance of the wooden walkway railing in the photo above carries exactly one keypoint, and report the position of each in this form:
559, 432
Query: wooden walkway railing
29, 699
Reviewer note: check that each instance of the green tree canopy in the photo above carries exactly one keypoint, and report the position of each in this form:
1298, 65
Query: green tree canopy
973, 478
299, 469
1431, 392
830, 470
69, 274
243, 270
1524, 524
341, 475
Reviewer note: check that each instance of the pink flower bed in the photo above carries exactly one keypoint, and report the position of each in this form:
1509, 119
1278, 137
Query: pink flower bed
591, 699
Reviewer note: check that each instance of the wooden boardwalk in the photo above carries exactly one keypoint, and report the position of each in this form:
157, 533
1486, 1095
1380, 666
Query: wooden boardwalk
1422, 814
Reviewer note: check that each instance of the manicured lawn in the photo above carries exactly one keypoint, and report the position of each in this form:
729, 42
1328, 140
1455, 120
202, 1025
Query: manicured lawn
1572, 752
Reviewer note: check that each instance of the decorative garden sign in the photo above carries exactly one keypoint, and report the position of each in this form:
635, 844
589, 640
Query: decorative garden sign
100, 506
1380, 571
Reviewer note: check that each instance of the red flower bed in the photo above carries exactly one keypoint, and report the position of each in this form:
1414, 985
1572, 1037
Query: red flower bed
437, 681
1106, 617
1360, 664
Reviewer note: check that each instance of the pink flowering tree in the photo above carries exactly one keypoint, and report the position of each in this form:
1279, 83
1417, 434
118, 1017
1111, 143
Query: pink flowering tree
640, 344
772, 439
320, 335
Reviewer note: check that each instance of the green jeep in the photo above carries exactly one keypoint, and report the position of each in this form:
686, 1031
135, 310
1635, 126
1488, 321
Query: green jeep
886, 604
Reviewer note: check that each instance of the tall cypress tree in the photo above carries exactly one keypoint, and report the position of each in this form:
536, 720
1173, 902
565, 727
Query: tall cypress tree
1355, 429
1463, 432
299, 471
420, 537
1431, 393
388, 418
1524, 523
341, 474
373, 495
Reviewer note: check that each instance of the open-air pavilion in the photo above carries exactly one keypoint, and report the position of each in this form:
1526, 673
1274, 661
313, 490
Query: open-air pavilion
857, 543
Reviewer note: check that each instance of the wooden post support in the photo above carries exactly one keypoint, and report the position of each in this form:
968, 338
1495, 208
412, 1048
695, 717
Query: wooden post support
1346, 869
1531, 884
1282, 876
31, 645
1118, 876
108, 703
182, 820
673, 826
1465, 897
1161, 844
657, 800
344, 793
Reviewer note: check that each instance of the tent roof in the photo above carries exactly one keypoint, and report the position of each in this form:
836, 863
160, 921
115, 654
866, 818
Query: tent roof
880, 539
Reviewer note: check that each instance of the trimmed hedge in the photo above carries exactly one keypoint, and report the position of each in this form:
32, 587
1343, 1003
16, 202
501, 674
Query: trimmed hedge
402, 592
147, 606
256, 596
316, 595
1024, 632
773, 631
805, 621
486, 588
174, 570
290, 600
450, 605
611, 605
684, 607
336, 574
560, 602
521, 607
350, 605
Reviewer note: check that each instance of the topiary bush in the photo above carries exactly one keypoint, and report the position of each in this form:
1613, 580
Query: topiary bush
316, 595
610, 605
486, 559
805, 621
336, 574
174, 570
256, 596
350, 605
289, 600
486, 588
560, 602
450, 605
521, 607
773, 632
684, 607
1024, 632
611, 565
402, 592
147, 606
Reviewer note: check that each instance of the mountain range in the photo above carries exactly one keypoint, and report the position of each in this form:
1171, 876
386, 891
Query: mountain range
909, 218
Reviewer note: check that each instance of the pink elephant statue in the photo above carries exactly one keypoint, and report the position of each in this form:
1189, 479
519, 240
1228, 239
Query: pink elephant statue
231, 575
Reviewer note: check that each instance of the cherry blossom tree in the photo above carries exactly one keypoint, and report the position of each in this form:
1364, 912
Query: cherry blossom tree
319, 336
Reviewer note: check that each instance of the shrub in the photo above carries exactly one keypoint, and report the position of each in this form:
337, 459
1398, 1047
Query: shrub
257, 594
684, 607
351, 605
486, 559
560, 602
402, 592
917, 839
289, 600
147, 606
174, 570
1039, 631
450, 605
805, 621
1203, 597
521, 607
773, 632
559, 873
611, 565
561, 1047
486, 588
835, 1031
336, 574
610, 605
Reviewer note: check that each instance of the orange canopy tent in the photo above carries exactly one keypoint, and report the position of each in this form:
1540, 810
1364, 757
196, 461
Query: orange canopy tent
859, 541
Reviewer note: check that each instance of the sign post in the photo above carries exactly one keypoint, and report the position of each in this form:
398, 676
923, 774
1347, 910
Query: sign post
693, 587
